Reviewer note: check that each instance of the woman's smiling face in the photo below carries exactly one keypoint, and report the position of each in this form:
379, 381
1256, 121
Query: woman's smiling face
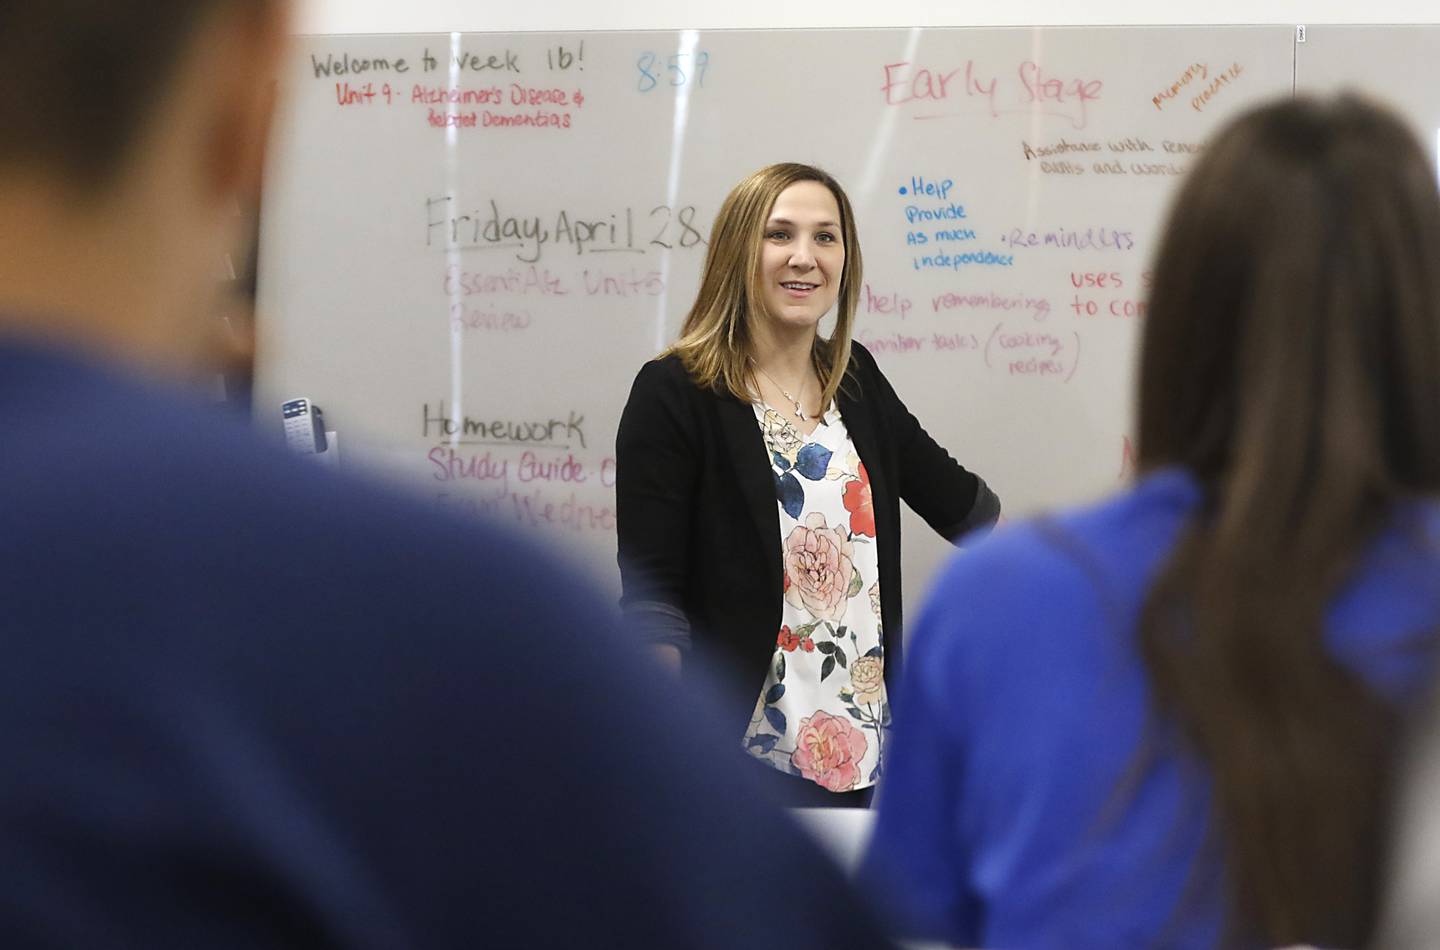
802, 257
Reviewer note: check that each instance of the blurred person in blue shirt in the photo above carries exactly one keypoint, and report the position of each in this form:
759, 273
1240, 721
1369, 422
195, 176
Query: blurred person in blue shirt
245, 704
1169, 719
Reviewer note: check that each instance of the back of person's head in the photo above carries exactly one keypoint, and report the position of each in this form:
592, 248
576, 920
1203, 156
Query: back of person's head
715, 340
1291, 362
78, 78
131, 130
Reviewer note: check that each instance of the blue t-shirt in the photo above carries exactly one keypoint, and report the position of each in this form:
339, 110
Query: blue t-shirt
1003, 822
247, 703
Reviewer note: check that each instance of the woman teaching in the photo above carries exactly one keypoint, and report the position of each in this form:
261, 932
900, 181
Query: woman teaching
759, 471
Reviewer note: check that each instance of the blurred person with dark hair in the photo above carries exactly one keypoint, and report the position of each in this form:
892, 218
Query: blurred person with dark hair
1170, 719
244, 703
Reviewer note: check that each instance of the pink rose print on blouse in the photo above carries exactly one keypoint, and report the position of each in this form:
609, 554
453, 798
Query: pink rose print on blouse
860, 504
819, 566
828, 751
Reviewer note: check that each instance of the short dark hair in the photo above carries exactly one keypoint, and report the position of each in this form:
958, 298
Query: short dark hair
78, 78
1291, 361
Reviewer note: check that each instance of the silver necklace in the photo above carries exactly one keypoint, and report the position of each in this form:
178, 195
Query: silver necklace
799, 410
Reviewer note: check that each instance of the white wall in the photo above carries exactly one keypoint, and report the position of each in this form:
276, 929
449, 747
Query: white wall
434, 16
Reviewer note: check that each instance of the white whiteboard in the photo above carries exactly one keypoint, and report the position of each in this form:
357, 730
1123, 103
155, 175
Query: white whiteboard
1399, 65
519, 274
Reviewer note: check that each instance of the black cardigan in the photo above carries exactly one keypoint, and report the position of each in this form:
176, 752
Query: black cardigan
699, 524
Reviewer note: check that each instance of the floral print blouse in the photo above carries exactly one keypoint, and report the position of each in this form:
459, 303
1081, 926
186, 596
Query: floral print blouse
822, 708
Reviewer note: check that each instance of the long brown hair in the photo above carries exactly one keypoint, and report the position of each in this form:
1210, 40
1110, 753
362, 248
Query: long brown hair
1291, 361
716, 338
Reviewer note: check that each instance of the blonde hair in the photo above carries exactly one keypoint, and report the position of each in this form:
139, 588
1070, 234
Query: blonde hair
716, 338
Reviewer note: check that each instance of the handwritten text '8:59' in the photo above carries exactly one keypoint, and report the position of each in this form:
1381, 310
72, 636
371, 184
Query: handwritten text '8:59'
675, 70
